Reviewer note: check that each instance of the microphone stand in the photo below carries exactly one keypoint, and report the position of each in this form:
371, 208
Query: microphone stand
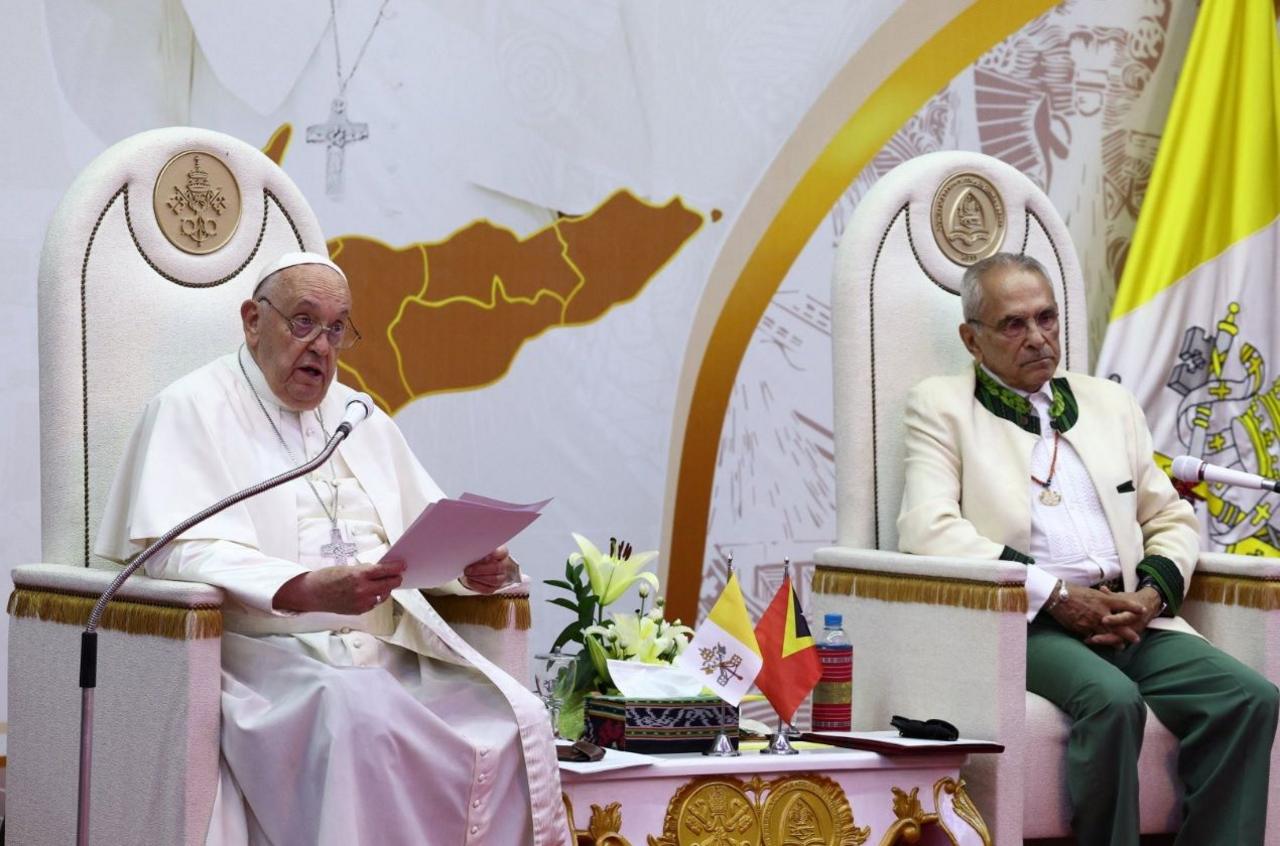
89, 637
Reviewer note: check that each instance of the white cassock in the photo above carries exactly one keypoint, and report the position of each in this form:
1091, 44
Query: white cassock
382, 728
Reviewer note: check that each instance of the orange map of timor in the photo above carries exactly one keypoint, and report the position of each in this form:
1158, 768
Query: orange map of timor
452, 315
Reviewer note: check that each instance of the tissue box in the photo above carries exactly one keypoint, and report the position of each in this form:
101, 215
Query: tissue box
648, 726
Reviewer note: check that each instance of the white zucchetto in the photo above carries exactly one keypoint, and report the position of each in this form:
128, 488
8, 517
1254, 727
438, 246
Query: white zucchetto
293, 260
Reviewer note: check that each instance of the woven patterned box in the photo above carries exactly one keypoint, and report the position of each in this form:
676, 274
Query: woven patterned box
658, 725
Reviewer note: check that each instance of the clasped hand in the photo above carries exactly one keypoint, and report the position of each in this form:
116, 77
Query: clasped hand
359, 588
1104, 618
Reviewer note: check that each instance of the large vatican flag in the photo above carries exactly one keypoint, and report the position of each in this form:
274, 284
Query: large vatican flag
1193, 331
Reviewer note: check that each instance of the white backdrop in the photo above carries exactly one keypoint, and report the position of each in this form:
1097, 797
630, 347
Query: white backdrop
521, 112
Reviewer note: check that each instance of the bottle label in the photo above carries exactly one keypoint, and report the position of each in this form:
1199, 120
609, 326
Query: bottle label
833, 695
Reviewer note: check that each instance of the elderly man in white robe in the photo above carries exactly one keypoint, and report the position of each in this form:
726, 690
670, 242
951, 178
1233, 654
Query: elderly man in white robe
352, 714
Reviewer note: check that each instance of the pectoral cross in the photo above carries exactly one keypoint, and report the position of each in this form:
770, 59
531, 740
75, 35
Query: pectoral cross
337, 549
336, 134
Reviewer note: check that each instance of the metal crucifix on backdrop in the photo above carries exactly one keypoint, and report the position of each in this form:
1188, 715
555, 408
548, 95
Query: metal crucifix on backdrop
337, 133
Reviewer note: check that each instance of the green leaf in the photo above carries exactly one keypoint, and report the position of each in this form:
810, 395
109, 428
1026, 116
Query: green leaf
573, 715
587, 613
584, 673
565, 603
599, 659
572, 632
560, 584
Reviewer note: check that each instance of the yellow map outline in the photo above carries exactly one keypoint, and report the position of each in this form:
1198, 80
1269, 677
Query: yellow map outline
498, 290
277, 146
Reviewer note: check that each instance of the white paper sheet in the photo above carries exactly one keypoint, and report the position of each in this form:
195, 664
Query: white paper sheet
449, 534
614, 759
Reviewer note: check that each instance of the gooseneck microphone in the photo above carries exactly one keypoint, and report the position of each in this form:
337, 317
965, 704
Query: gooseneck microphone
359, 408
1191, 469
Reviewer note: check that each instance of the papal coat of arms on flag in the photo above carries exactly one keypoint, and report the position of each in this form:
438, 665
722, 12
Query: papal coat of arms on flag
1193, 328
724, 652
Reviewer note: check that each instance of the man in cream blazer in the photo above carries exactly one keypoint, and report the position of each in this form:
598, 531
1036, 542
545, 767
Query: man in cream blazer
1015, 460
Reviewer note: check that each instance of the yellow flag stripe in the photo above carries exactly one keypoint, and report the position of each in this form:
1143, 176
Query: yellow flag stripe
791, 644
1216, 178
730, 614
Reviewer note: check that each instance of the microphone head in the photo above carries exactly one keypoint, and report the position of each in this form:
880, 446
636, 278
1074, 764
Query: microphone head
359, 408
364, 400
1187, 468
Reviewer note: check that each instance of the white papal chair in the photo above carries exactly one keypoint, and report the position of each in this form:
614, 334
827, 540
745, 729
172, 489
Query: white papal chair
124, 309
940, 637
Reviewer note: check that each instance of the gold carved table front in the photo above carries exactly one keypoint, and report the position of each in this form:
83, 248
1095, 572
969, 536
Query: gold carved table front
818, 798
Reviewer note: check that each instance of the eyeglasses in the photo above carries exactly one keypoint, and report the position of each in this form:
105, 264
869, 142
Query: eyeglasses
1016, 328
342, 335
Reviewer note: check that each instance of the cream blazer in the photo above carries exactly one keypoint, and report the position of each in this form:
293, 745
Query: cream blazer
966, 474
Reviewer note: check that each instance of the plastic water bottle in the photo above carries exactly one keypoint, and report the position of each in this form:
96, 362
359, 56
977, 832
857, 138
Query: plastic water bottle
833, 696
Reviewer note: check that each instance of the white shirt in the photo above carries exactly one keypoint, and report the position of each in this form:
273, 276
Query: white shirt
1072, 540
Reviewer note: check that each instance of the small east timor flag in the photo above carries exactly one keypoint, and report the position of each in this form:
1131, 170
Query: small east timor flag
791, 664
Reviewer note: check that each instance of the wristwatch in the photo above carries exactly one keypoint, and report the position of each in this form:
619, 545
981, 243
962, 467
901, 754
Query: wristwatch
1057, 596
1147, 581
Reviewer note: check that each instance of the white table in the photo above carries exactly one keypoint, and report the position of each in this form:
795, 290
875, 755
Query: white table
820, 797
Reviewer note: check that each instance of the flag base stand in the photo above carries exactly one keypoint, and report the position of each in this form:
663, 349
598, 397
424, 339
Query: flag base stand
780, 744
722, 747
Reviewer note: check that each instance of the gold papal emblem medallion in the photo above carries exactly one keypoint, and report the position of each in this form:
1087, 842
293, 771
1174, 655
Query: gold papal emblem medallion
196, 202
968, 218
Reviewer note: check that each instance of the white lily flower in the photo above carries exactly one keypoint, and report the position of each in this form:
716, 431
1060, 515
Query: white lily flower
638, 638
606, 634
611, 576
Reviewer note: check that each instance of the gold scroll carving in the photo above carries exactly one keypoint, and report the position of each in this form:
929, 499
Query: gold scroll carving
603, 829
792, 810
912, 818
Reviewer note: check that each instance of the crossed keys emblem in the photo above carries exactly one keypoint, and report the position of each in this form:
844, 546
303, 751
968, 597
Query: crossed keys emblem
197, 204
713, 661
721, 816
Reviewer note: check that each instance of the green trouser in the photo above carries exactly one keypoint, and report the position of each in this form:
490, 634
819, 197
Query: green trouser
1222, 712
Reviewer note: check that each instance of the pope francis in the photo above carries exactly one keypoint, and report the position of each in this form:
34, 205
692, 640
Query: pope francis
352, 714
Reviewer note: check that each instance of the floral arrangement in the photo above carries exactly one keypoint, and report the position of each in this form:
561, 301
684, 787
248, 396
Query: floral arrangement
596, 581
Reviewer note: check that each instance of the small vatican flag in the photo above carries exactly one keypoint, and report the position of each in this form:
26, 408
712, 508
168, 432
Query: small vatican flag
724, 652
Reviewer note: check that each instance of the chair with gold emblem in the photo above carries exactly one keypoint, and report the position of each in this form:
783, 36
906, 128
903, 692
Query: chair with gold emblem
144, 266
942, 637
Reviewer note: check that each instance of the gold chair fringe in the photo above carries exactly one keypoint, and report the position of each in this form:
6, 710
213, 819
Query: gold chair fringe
1263, 594
137, 618
496, 612
926, 590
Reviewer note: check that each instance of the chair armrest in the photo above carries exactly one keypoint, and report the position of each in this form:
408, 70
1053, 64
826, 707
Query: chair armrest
1244, 566
932, 636
58, 593
497, 625
92, 581
1234, 601
156, 707
937, 637
901, 563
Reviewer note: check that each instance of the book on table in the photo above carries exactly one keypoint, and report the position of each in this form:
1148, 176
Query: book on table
889, 742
